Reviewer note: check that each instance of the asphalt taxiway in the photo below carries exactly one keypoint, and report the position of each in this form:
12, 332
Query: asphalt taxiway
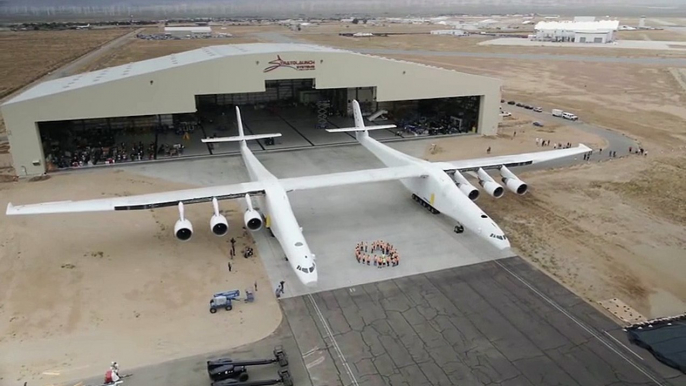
496, 323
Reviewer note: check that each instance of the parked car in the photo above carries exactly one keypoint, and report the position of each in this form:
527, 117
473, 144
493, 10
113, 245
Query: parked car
538, 124
502, 101
519, 104
569, 116
538, 109
511, 102
506, 114
529, 107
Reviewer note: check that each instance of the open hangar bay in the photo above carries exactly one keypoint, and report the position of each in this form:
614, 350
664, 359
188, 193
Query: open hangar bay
162, 107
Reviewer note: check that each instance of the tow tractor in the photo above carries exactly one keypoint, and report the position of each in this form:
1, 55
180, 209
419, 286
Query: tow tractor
283, 374
227, 368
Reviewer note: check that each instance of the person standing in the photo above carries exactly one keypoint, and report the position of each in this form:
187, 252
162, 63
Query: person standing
230, 267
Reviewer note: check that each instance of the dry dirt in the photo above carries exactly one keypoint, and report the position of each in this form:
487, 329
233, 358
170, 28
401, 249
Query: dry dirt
72, 285
139, 49
429, 42
26, 56
608, 229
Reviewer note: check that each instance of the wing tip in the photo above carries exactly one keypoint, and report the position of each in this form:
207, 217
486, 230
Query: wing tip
10, 209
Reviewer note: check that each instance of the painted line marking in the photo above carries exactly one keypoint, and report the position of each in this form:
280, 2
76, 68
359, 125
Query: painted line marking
315, 362
305, 355
333, 341
623, 345
579, 323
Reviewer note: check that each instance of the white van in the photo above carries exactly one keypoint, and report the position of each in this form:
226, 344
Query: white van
557, 112
569, 116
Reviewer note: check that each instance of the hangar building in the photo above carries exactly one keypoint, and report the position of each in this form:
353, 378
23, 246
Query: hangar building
194, 31
602, 31
162, 107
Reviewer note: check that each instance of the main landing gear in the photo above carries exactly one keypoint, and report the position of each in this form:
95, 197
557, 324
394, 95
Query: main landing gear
425, 204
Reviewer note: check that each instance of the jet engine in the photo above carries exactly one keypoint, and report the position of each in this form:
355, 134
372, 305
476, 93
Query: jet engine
489, 185
511, 181
183, 229
218, 223
465, 187
252, 218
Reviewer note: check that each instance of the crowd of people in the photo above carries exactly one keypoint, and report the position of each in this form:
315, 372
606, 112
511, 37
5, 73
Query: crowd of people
381, 253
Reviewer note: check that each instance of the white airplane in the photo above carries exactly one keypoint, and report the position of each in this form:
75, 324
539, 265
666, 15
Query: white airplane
428, 181
446, 190
276, 211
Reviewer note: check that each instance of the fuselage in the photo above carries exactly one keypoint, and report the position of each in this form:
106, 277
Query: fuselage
281, 220
440, 191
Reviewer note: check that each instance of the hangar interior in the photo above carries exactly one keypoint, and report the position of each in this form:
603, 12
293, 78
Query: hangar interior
292, 107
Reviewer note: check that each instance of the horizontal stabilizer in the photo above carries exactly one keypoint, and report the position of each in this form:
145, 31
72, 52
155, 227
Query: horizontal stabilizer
240, 138
364, 128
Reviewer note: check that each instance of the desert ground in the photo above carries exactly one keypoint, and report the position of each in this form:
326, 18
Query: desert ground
139, 49
604, 229
75, 296
28, 55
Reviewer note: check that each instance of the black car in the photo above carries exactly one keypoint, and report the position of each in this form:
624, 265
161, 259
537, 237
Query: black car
529, 107
511, 102
519, 104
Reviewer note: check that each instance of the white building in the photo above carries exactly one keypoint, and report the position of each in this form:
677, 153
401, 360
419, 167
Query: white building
192, 31
148, 94
577, 32
453, 32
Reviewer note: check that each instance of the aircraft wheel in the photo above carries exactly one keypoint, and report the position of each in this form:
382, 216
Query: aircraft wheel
243, 377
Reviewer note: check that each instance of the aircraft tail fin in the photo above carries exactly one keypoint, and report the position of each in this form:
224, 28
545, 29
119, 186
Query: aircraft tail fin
241, 133
359, 123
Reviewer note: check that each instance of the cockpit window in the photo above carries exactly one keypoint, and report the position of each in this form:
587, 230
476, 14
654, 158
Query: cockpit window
312, 268
499, 237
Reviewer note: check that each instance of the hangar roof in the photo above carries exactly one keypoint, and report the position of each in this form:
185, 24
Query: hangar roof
578, 26
162, 63
188, 29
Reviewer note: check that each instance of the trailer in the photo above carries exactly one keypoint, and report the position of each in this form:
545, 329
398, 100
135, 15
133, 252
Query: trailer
227, 368
557, 112
283, 374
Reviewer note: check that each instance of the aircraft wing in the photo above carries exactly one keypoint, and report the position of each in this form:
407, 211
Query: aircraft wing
512, 160
350, 178
141, 202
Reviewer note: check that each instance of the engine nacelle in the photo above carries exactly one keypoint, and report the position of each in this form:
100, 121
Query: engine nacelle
513, 183
183, 230
465, 187
492, 188
489, 185
253, 220
219, 225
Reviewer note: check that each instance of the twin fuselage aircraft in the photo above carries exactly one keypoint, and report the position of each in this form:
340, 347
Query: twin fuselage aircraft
439, 186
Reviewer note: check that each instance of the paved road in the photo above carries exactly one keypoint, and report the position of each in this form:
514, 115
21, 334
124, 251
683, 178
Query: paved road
675, 62
496, 323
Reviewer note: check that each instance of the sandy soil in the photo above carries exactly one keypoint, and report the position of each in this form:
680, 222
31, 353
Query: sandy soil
466, 44
75, 295
608, 229
139, 49
26, 56
641, 101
